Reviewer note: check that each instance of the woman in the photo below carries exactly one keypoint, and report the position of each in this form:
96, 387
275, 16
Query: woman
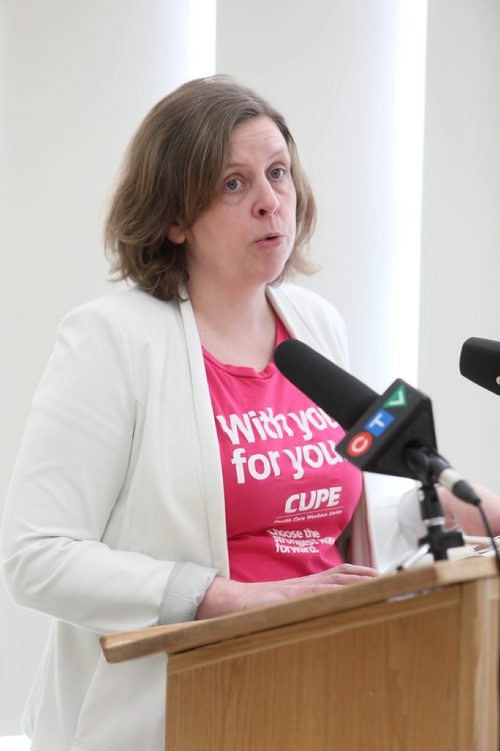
168, 471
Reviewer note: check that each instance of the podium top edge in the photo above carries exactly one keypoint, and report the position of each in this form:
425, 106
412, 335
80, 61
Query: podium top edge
181, 637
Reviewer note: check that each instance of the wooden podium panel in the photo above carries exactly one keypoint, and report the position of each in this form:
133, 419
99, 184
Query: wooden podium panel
406, 662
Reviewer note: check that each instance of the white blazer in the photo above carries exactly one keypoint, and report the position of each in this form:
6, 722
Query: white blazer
118, 477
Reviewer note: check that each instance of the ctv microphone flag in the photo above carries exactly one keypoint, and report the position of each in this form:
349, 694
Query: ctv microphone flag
397, 420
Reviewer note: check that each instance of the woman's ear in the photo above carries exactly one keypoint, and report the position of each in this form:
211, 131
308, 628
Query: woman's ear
176, 234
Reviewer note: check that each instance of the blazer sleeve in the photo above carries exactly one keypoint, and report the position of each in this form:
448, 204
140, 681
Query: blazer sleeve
67, 483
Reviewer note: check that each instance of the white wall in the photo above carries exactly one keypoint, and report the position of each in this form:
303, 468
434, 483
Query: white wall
336, 71
461, 227
76, 78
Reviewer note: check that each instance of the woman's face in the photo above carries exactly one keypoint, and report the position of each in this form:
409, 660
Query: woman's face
247, 236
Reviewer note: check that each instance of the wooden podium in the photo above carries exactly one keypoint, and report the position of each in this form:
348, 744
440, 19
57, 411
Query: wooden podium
405, 662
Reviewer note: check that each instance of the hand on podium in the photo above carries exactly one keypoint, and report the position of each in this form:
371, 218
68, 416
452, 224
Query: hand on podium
226, 596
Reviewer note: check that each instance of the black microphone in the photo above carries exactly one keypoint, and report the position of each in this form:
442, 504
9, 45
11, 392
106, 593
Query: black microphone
392, 433
480, 362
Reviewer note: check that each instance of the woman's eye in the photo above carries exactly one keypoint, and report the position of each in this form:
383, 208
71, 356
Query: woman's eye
277, 172
233, 184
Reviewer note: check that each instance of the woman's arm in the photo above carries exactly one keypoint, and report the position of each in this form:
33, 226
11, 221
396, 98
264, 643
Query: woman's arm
65, 489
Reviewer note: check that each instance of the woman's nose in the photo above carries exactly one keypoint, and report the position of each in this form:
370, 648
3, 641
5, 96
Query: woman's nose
266, 200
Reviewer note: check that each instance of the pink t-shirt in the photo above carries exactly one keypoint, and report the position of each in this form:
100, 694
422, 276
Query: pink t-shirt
288, 494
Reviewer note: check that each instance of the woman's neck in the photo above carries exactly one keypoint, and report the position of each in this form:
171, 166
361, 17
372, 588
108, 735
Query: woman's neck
237, 329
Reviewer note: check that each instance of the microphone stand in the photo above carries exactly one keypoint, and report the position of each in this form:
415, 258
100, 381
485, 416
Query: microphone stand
436, 541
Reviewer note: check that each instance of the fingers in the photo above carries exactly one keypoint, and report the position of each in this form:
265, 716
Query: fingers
345, 569
349, 568
340, 576
339, 573
308, 585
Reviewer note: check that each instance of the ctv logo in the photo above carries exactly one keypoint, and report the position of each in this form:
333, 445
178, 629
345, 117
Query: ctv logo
379, 422
360, 443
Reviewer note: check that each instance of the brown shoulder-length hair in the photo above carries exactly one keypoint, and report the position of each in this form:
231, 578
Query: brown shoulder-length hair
171, 174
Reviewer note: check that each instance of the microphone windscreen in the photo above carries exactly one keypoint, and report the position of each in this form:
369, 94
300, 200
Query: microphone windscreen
337, 392
480, 362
